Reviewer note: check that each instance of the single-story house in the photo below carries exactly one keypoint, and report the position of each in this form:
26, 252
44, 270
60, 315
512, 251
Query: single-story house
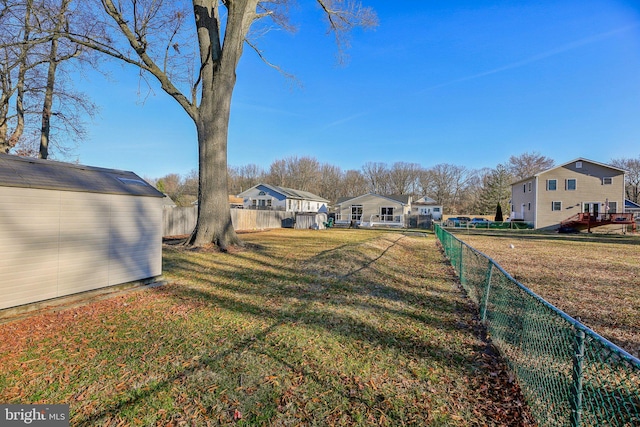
565, 193
271, 197
373, 209
67, 228
427, 206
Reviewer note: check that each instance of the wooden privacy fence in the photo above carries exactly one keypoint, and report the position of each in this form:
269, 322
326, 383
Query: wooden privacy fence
180, 220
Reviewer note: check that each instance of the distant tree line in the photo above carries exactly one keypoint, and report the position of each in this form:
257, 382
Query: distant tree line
459, 189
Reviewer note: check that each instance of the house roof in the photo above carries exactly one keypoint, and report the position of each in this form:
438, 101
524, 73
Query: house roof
579, 159
628, 204
425, 200
51, 175
403, 199
289, 193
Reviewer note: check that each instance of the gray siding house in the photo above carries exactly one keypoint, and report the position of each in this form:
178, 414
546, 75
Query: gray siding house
67, 228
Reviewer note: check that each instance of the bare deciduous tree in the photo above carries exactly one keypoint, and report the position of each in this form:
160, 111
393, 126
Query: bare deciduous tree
377, 175
354, 184
244, 177
35, 105
632, 177
155, 37
447, 183
528, 164
404, 178
330, 185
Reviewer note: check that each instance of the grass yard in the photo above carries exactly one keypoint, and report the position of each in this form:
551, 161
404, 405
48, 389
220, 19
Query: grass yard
332, 327
594, 277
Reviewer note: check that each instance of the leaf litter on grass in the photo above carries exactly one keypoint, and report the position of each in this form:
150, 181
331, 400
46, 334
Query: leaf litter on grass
343, 327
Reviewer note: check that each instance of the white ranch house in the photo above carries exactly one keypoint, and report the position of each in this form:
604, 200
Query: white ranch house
271, 197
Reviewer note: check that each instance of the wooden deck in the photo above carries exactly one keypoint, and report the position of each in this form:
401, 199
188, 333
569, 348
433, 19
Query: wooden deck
586, 220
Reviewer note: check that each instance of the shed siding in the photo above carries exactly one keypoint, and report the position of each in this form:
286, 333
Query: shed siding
84, 242
135, 250
70, 242
28, 243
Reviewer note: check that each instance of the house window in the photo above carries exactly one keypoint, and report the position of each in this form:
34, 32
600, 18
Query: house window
254, 203
556, 206
578, 165
552, 184
269, 203
262, 193
571, 184
524, 188
529, 206
607, 180
356, 212
386, 214
529, 186
436, 209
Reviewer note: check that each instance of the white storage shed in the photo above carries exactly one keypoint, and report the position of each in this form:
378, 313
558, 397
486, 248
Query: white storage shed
66, 228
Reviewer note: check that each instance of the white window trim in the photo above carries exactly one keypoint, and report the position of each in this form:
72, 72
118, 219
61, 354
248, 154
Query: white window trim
550, 189
553, 205
605, 178
382, 216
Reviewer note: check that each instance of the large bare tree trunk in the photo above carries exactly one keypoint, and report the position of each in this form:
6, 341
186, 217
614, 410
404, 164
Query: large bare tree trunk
214, 216
218, 73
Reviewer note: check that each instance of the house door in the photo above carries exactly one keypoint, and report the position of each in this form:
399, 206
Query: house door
356, 212
592, 208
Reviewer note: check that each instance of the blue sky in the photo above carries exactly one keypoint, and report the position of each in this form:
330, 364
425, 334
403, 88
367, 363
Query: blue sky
468, 83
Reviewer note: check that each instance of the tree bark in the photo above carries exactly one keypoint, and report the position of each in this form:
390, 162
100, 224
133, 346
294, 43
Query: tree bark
218, 74
47, 105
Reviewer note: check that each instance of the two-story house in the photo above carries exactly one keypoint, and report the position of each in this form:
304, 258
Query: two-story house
577, 190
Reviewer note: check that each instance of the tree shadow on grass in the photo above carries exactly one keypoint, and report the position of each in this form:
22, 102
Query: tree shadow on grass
285, 295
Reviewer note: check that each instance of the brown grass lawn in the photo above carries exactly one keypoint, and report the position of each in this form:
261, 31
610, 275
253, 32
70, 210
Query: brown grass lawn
594, 277
332, 327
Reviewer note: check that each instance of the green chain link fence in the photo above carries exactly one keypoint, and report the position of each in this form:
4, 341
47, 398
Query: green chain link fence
569, 375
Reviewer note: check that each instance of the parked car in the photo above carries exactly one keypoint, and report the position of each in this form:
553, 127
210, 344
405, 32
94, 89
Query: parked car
480, 222
457, 221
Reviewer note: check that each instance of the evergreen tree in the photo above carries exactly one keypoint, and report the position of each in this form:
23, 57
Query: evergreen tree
499, 217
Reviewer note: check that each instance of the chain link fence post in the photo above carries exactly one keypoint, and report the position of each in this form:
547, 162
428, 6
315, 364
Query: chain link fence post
485, 303
576, 387
460, 265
